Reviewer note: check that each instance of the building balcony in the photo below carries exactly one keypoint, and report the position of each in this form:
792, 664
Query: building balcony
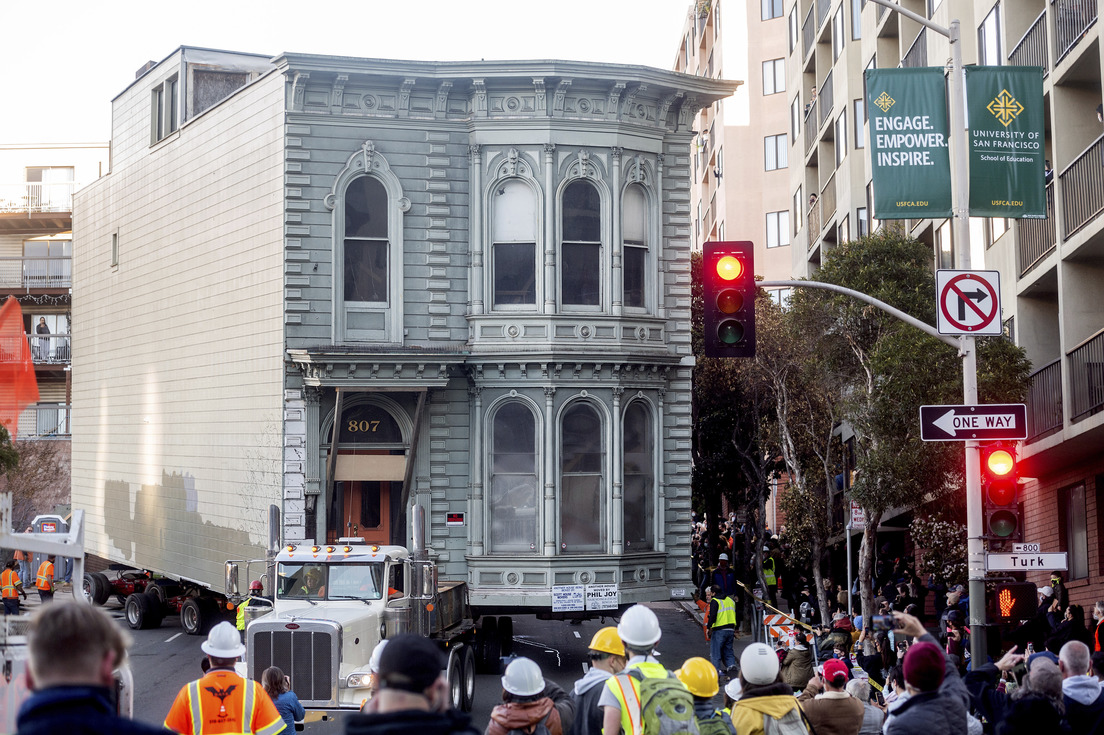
50, 349
1044, 401
1032, 48
808, 34
1036, 237
917, 55
1072, 18
1086, 368
1083, 188
826, 93
33, 208
28, 274
45, 422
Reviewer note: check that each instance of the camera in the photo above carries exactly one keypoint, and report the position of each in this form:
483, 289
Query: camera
883, 622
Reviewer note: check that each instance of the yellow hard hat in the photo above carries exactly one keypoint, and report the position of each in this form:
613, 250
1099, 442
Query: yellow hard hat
699, 676
607, 640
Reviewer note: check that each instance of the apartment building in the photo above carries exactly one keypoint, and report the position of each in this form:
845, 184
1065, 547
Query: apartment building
37, 183
741, 148
1052, 270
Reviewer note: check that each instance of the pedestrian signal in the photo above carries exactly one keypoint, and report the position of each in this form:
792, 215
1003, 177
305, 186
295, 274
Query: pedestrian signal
1013, 601
728, 288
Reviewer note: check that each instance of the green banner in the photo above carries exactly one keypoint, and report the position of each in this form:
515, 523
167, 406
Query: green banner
1007, 145
908, 143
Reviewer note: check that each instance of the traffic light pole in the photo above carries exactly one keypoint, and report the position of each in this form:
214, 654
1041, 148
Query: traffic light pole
960, 191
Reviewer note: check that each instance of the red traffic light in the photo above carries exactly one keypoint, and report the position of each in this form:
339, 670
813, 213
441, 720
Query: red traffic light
1000, 491
729, 268
728, 291
1000, 462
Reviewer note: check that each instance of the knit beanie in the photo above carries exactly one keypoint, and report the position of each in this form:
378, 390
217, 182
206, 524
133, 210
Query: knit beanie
924, 666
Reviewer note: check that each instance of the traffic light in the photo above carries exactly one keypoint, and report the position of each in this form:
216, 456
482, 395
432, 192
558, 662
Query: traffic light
999, 487
728, 287
1013, 601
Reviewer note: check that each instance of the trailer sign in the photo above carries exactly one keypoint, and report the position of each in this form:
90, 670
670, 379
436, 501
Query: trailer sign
567, 598
601, 597
577, 597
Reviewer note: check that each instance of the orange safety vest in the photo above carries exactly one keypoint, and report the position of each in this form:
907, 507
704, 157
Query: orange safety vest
8, 581
45, 580
223, 702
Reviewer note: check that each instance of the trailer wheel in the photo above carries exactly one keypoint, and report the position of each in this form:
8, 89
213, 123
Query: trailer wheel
196, 616
91, 587
104, 592
490, 647
506, 635
454, 675
467, 678
157, 591
140, 611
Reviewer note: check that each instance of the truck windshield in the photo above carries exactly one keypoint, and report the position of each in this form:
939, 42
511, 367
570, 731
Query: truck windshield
330, 581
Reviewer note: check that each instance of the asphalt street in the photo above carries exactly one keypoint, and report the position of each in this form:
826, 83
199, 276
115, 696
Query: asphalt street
165, 659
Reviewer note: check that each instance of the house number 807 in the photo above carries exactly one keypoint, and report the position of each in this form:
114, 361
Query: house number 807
355, 426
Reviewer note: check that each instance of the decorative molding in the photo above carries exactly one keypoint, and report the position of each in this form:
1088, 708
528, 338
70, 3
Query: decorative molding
403, 109
627, 109
541, 102
559, 96
613, 108
440, 108
479, 98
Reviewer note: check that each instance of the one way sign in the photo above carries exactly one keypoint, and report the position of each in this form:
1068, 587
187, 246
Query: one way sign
959, 423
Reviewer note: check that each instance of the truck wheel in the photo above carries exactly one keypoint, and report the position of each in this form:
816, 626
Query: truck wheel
140, 613
467, 678
156, 591
196, 616
454, 675
506, 635
91, 587
104, 592
490, 647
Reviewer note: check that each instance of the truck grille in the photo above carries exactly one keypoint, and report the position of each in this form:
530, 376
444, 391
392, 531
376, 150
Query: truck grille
308, 654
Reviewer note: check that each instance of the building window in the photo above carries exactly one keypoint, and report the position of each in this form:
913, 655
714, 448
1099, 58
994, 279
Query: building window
114, 249
774, 76
639, 474
945, 253
841, 137
860, 127
795, 117
634, 229
47, 263
211, 86
582, 491
581, 250
989, 45
513, 499
164, 109
780, 296
798, 209
778, 229
366, 245
774, 151
771, 9
838, 39
1074, 531
856, 19
716, 20
793, 28
862, 219
843, 231
514, 248
997, 227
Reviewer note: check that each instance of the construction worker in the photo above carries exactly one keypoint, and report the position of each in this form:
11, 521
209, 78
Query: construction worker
12, 588
44, 582
620, 699
722, 629
256, 589
222, 701
607, 659
700, 677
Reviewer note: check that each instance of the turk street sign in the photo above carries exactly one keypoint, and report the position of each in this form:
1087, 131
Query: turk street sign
1026, 562
959, 423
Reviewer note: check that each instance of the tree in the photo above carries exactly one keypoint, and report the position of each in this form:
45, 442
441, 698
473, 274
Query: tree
35, 472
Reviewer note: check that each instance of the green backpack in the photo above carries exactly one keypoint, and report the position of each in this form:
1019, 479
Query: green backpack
666, 705
718, 724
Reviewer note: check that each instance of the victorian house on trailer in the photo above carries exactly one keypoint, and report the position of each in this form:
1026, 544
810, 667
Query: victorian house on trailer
345, 287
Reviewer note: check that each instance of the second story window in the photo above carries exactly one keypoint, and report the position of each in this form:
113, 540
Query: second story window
634, 263
366, 246
581, 249
514, 259
164, 109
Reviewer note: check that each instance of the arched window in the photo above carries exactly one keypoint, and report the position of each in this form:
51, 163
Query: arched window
639, 477
582, 486
366, 245
581, 249
513, 498
514, 238
634, 260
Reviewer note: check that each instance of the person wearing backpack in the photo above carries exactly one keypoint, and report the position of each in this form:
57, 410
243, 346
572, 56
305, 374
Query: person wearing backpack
766, 705
607, 659
645, 699
530, 704
700, 678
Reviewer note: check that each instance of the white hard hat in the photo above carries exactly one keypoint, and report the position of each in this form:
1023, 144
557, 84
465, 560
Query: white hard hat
223, 642
373, 661
734, 689
759, 664
523, 677
639, 627
722, 557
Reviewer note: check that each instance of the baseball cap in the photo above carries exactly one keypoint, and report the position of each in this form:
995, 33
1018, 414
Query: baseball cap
833, 667
1045, 655
722, 557
1046, 591
410, 663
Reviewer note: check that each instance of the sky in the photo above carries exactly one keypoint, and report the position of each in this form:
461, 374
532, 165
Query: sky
62, 62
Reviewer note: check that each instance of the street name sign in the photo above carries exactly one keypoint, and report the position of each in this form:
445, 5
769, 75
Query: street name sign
959, 423
1054, 561
968, 302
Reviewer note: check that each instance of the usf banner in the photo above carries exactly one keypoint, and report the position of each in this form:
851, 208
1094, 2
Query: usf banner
1005, 114
908, 143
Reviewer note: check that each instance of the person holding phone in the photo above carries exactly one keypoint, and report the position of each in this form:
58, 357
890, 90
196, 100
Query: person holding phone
828, 706
938, 700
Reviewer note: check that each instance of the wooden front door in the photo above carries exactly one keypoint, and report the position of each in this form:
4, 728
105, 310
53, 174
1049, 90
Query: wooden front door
367, 510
